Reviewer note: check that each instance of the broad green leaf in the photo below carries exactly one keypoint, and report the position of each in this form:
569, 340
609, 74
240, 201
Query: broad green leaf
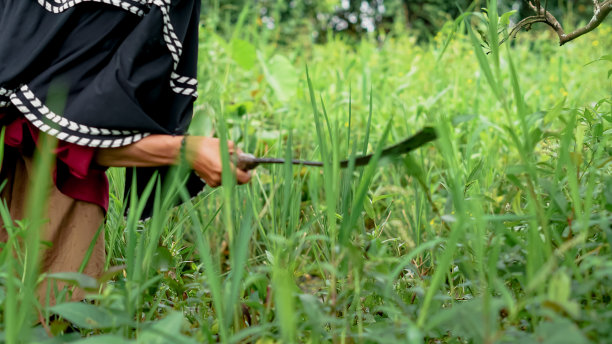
104, 339
559, 331
243, 53
166, 330
367, 205
89, 316
282, 77
162, 260
76, 279
559, 287
40, 336
504, 20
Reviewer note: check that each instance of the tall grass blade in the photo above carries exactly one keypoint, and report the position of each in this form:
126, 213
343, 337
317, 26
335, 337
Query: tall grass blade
24, 298
362, 189
484, 63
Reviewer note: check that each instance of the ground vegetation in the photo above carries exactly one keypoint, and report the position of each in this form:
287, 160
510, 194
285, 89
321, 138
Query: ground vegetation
498, 232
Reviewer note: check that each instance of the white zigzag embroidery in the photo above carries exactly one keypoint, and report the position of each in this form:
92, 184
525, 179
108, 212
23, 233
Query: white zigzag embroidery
41, 111
64, 122
4, 93
66, 4
184, 85
172, 42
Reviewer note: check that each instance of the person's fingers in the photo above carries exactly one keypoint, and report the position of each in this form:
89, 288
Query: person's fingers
209, 165
210, 181
243, 177
231, 147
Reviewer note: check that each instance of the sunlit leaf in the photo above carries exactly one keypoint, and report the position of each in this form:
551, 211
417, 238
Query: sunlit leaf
244, 53
75, 279
282, 77
89, 316
504, 20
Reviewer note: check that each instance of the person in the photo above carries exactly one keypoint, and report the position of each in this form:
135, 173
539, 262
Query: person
114, 81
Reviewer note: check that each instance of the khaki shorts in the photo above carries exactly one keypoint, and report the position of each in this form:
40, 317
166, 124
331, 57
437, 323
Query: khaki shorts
71, 227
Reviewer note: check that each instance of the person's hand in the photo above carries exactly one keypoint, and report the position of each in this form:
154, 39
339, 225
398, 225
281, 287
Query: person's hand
204, 155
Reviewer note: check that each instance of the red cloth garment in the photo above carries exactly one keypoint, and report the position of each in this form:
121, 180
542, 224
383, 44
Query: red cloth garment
76, 174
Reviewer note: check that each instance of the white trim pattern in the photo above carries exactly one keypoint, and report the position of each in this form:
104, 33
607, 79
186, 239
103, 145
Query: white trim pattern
4, 97
174, 44
64, 122
37, 113
184, 85
67, 4
184, 80
172, 41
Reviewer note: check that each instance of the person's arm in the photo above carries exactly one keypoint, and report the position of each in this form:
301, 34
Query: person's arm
202, 153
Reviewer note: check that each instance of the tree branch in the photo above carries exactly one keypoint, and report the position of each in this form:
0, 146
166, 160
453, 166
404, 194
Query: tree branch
600, 12
549, 19
596, 5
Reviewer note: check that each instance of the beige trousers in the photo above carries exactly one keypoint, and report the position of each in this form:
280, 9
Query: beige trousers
71, 227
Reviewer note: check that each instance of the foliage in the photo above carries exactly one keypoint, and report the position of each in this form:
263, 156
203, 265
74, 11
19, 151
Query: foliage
498, 232
318, 19
349, 17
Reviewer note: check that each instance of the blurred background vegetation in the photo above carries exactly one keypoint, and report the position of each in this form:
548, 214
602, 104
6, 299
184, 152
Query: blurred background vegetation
317, 19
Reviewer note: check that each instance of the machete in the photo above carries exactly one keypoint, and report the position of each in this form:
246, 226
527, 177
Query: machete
248, 162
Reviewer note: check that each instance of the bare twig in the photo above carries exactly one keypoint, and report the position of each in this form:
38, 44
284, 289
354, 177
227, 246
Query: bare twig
523, 24
548, 18
600, 12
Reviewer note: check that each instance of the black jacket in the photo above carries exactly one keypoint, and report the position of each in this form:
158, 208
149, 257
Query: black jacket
100, 73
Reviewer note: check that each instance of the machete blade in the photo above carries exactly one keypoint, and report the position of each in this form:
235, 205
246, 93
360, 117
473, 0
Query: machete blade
247, 162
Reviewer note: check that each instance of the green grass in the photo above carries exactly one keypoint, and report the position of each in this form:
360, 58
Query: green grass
498, 232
